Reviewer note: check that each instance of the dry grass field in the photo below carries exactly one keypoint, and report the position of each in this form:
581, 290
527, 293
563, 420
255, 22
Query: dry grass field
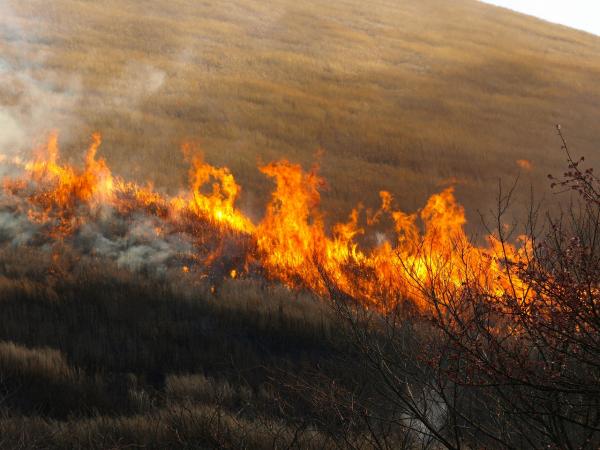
401, 95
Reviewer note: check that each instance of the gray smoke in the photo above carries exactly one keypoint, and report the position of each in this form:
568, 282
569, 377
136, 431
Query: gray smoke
137, 246
16, 229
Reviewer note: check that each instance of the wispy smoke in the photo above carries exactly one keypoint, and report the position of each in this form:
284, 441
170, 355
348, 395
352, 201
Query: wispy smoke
137, 82
136, 242
136, 246
33, 98
16, 229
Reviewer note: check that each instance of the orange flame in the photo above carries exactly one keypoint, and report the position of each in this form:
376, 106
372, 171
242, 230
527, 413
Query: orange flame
291, 243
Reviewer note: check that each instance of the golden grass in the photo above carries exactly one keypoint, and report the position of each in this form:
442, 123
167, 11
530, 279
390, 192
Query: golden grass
402, 95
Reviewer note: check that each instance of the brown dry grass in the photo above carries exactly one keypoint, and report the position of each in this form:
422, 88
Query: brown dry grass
401, 95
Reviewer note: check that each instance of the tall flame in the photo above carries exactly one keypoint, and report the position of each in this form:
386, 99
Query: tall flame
290, 244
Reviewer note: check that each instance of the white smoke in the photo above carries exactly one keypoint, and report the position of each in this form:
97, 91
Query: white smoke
34, 99
431, 407
137, 243
136, 84
12, 135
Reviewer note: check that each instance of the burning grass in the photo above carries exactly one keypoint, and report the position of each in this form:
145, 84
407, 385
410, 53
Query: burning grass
278, 329
204, 234
181, 288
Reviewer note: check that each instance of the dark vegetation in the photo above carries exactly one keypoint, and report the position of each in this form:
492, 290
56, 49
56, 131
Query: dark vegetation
101, 358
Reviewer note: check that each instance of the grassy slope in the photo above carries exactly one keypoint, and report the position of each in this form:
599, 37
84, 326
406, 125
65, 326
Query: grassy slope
401, 95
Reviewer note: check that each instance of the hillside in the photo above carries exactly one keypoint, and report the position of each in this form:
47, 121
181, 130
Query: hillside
404, 96
141, 309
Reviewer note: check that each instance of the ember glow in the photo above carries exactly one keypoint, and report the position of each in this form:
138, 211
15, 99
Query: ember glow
205, 234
